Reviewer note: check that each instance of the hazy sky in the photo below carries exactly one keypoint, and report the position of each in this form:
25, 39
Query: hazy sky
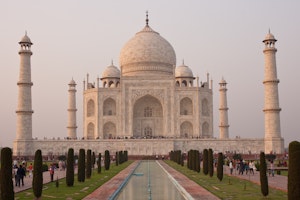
73, 38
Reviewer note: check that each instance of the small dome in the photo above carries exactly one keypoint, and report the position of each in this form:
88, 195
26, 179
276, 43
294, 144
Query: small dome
25, 39
223, 81
111, 72
269, 37
183, 71
72, 82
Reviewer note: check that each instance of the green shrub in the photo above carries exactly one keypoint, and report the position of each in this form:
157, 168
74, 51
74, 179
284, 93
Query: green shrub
6, 183
263, 175
99, 163
81, 166
294, 172
37, 182
220, 166
205, 161
89, 164
45, 167
70, 168
210, 162
106, 160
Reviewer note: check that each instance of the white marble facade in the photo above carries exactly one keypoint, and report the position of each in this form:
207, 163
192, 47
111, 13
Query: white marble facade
147, 106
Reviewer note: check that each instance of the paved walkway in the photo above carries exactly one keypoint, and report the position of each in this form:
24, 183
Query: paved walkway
196, 191
277, 181
106, 190
46, 179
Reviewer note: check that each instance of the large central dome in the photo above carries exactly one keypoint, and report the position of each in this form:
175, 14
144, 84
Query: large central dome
147, 53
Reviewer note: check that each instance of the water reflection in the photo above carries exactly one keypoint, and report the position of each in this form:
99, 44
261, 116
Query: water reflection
149, 181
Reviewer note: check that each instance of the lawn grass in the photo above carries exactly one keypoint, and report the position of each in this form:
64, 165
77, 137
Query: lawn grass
79, 190
230, 187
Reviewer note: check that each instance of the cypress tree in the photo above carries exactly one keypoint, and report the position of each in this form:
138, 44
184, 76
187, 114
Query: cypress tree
99, 163
197, 161
81, 166
182, 159
220, 166
106, 160
117, 158
37, 182
126, 155
89, 164
93, 160
205, 161
294, 172
6, 183
263, 174
210, 162
70, 168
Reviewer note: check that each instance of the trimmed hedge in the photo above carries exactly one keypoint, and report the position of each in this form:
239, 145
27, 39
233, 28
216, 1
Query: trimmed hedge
220, 166
210, 163
294, 172
37, 182
263, 175
6, 183
89, 164
205, 161
70, 168
81, 166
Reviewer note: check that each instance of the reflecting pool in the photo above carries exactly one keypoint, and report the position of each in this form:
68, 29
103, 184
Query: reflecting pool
149, 181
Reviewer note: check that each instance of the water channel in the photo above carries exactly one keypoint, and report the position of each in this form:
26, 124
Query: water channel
150, 181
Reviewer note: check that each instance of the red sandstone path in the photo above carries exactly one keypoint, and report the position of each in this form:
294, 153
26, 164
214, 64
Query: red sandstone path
277, 182
106, 190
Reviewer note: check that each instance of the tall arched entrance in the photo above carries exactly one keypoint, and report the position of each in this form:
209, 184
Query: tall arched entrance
147, 117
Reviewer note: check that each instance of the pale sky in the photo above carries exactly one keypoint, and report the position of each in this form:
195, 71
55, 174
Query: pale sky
224, 38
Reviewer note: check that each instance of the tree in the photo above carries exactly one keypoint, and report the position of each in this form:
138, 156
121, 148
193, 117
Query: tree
220, 166
263, 175
70, 168
197, 161
37, 182
294, 172
117, 158
81, 166
93, 160
210, 162
99, 163
6, 183
205, 161
106, 160
89, 164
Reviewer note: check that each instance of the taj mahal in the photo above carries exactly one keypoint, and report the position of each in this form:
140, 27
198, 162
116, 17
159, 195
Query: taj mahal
148, 105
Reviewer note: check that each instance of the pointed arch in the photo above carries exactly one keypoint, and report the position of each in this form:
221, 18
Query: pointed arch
186, 129
147, 114
205, 130
184, 83
91, 131
186, 106
204, 106
109, 130
109, 107
90, 108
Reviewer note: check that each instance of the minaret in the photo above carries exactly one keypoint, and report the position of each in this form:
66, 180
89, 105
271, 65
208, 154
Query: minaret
24, 110
273, 140
72, 111
224, 133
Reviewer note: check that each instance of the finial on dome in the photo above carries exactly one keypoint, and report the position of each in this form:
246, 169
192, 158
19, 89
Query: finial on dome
182, 61
269, 31
112, 62
147, 20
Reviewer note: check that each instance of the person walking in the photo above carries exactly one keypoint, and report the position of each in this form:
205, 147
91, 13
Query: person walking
231, 167
21, 174
30, 169
51, 170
